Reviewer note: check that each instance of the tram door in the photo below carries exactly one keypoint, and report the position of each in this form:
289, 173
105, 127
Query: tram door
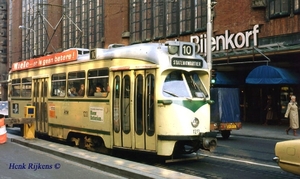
144, 122
133, 112
40, 102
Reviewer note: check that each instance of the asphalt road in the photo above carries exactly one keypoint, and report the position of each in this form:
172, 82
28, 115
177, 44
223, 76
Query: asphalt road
235, 158
17, 161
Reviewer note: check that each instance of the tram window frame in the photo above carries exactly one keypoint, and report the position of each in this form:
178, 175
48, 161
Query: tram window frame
139, 104
98, 78
117, 103
58, 81
75, 80
126, 87
150, 109
26, 87
16, 83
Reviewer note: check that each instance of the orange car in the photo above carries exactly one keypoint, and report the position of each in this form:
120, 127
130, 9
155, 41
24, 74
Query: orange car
287, 155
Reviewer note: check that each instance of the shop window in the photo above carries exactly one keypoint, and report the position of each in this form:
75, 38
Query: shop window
279, 8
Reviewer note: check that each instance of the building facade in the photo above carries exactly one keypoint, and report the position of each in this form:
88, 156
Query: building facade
246, 34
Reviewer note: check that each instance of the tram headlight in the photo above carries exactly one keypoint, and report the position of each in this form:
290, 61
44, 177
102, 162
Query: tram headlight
195, 122
173, 47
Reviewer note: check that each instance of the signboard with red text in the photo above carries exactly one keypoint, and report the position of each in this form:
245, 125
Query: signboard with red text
57, 58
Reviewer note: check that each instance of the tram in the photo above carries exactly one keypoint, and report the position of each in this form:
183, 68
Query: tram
152, 97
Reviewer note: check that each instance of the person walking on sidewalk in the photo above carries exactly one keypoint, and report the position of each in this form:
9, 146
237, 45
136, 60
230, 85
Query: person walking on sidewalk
270, 110
292, 113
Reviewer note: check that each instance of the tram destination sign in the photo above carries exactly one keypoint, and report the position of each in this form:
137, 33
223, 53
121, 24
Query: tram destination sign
183, 62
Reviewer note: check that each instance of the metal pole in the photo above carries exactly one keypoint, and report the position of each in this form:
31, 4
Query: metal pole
208, 36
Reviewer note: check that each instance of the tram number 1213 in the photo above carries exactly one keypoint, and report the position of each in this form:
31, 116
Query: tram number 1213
196, 131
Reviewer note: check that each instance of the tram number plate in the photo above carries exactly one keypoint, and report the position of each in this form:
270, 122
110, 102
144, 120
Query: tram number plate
196, 131
231, 126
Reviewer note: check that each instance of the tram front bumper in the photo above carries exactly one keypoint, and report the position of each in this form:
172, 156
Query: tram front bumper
209, 141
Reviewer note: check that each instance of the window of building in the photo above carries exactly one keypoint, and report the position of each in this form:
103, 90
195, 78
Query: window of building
76, 84
58, 85
16, 87
26, 87
147, 24
135, 21
159, 19
185, 16
98, 82
34, 35
172, 18
84, 25
200, 15
296, 6
279, 8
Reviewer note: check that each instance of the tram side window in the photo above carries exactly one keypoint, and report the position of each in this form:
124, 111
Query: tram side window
26, 87
58, 85
98, 83
16, 87
150, 105
76, 84
116, 98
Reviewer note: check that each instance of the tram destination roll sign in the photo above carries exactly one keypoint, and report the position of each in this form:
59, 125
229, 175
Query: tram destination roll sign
183, 62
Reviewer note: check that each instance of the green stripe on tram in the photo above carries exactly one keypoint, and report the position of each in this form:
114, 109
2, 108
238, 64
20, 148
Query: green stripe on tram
81, 100
191, 105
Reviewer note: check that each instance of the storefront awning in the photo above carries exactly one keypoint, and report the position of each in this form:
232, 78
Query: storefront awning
272, 75
229, 78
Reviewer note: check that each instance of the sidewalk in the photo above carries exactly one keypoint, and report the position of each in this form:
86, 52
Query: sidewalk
266, 131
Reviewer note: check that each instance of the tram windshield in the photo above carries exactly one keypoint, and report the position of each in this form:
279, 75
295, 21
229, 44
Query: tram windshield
184, 84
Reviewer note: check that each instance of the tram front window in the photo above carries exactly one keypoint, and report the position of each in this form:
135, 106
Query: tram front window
184, 84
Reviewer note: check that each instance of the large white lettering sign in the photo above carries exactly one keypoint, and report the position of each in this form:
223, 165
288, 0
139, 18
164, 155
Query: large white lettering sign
227, 41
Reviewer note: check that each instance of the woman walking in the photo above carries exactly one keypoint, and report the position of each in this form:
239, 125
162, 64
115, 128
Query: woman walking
292, 113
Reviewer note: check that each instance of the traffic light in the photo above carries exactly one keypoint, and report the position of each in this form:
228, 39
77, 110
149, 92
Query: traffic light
213, 76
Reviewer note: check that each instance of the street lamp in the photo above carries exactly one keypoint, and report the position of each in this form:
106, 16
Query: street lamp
34, 37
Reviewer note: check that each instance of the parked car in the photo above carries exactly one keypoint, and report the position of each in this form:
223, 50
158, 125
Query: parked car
287, 155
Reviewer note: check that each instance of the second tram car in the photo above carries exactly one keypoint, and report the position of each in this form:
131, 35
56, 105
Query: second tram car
150, 97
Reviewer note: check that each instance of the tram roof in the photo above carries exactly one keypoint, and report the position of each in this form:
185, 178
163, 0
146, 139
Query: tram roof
151, 52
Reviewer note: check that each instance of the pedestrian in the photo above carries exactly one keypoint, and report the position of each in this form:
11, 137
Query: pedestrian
292, 114
270, 110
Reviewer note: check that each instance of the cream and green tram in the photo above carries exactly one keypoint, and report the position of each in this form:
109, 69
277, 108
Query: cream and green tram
150, 97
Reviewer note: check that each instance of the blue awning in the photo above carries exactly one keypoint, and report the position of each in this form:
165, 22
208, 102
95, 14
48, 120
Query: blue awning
272, 75
229, 78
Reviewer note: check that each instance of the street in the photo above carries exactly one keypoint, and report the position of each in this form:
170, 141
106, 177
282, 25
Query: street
237, 157
18, 161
